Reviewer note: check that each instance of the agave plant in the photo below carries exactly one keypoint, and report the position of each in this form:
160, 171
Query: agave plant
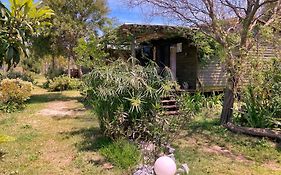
17, 26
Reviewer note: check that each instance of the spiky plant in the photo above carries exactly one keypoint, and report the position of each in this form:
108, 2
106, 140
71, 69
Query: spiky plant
126, 97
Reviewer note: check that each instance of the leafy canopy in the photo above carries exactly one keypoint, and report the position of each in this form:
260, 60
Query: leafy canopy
17, 26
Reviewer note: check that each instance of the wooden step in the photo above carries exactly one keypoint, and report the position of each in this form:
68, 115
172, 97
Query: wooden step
170, 107
168, 97
172, 113
168, 101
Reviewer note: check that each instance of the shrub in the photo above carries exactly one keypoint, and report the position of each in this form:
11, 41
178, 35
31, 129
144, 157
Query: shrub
198, 101
122, 154
25, 76
261, 100
254, 110
13, 94
53, 73
127, 100
63, 83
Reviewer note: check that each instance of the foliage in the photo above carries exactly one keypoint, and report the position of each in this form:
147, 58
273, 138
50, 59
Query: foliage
255, 111
25, 76
62, 83
261, 102
74, 20
53, 73
197, 101
208, 48
122, 153
127, 98
13, 94
90, 52
32, 64
17, 27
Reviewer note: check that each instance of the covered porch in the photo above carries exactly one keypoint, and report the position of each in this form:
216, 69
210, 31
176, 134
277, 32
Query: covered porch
168, 46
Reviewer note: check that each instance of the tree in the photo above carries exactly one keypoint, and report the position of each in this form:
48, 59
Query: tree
75, 19
17, 26
90, 52
232, 24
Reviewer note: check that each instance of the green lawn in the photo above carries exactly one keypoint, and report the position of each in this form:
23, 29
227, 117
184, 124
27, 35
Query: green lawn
69, 144
51, 144
208, 148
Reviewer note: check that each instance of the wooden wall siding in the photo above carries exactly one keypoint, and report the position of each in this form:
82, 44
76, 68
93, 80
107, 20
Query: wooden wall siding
267, 49
187, 66
211, 77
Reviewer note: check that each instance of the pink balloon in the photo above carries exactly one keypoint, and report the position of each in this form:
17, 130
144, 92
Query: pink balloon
165, 166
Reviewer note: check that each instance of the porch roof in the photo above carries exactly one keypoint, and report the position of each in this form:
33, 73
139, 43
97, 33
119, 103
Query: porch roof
142, 33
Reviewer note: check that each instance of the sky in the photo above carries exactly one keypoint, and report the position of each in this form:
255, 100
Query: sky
122, 13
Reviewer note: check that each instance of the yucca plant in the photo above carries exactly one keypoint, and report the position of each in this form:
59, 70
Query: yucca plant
126, 97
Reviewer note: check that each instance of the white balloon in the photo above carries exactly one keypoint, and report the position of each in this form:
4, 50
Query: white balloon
165, 166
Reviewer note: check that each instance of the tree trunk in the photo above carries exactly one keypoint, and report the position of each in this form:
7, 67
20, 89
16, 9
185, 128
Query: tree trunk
53, 63
68, 67
80, 71
227, 111
257, 132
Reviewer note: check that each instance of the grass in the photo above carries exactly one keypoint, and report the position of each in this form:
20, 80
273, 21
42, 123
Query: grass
46, 145
122, 153
208, 148
74, 145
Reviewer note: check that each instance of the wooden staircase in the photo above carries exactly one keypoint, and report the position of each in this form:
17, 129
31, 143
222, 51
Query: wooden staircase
169, 105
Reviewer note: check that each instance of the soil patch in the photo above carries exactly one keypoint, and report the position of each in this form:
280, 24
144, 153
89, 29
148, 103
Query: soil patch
62, 109
225, 152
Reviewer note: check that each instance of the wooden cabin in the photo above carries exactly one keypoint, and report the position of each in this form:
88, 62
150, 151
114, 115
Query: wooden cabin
173, 47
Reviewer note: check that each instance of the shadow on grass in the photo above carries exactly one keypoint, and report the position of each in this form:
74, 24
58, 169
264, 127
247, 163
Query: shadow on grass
93, 139
43, 98
211, 125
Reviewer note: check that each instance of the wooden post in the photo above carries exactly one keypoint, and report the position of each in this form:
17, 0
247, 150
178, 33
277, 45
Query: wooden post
173, 61
68, 67
133, 48
154, 53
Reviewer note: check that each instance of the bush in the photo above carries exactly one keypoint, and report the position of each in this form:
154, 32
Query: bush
122, 154
25, 76
53, 73
63, 83
13, 94
198, 101
261, 100
254, 110
127, 100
